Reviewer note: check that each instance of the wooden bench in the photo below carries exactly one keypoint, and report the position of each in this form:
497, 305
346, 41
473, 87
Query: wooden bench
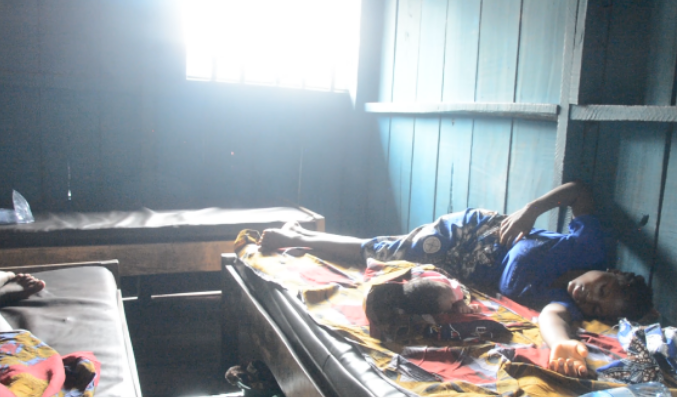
145, 242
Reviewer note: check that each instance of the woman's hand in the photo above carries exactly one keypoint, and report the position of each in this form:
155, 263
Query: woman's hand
517, 225
568, 358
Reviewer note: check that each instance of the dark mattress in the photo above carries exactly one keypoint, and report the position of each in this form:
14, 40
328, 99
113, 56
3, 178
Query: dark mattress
78, 311
342, 369
146, 226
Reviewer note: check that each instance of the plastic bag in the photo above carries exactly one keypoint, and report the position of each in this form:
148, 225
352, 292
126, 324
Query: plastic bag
20, 215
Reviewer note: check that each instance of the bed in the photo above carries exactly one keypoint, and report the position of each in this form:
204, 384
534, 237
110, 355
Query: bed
303, 316
145, 241
81, 309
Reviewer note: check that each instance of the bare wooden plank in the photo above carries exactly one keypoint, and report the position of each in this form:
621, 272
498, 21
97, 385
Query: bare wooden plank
662, 53
541, 45
539, 74
148, 259
499, 41
388, 50
496, 72
584, 136
424, 172
460, 70
625, 71
123, 44
431, 55
453, 167
71, 149
381, 214
123, 140
627, 186
405, 70
489, 164
19, 49
404, 89
665, 268
324, 156
577, 53
399, 167
636, 113
20, 145
62, 24
590, 41
460, 57
180, 152
566, 149
471, 109
531, 172
426, 130
580, 162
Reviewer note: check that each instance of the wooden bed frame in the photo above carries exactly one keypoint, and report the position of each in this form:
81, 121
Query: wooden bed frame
249, 333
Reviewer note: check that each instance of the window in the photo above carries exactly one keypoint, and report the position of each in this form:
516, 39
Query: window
311, 44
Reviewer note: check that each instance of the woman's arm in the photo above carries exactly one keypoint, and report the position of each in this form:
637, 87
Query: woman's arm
567, 356
518, 224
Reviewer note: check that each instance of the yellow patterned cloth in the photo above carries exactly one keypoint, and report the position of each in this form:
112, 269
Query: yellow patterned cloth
31, 368
499, 352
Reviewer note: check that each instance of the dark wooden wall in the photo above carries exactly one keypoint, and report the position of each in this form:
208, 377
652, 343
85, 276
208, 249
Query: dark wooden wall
628, 64
609, 65
93, 99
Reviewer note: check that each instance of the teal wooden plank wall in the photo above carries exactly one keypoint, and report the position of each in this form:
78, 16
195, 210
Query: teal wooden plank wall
465, 51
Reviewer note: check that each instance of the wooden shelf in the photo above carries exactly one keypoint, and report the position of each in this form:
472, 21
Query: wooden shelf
472, 109
637, 113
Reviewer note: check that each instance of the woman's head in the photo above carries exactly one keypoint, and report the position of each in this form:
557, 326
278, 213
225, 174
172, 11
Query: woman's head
611, 295
427, 296
418, 296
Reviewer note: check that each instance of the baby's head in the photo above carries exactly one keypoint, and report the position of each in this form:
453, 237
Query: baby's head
418, 296
611, 295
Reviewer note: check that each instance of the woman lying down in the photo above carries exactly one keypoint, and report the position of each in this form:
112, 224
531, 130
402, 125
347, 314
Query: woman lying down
561, 275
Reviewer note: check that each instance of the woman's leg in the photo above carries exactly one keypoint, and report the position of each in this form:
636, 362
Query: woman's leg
345, 247
15, 287
18, 287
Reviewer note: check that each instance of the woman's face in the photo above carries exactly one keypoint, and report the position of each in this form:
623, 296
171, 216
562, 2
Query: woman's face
598, 294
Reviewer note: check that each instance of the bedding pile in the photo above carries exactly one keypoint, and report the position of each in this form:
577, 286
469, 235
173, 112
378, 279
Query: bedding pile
496, 352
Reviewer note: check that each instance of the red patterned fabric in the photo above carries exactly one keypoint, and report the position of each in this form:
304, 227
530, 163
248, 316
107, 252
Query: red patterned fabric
30, 368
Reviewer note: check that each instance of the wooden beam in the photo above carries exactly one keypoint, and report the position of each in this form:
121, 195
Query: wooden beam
564, 150
142, 259
613, 113
471, 109
129, 350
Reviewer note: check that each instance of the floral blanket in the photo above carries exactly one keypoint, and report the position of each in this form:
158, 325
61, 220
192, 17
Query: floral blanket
30, 368
497, 352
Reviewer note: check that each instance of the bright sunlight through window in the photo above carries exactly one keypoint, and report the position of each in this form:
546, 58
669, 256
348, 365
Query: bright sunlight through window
310, 44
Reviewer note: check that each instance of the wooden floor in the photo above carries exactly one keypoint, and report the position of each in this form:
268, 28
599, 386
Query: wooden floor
177, 340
